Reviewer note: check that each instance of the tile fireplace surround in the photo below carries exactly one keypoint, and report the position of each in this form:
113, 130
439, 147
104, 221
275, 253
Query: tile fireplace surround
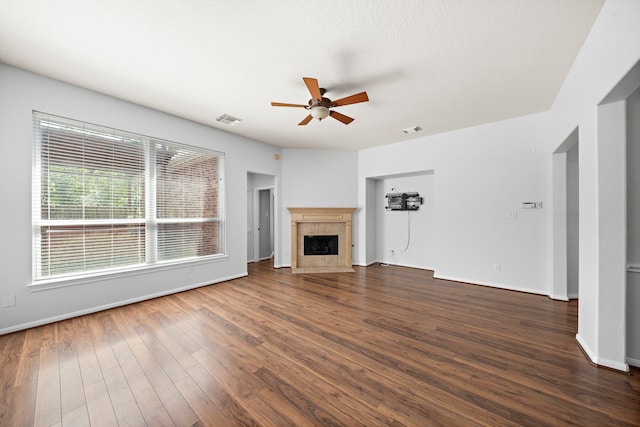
318, 222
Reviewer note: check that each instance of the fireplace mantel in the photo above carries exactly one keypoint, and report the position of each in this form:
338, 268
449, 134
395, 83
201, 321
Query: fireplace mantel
318, 221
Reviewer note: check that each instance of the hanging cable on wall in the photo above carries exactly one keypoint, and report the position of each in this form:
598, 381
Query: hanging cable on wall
408, 232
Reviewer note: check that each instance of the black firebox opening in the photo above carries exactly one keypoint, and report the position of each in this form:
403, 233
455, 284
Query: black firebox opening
321, 245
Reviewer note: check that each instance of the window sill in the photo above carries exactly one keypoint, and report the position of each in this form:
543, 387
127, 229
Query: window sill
62, 282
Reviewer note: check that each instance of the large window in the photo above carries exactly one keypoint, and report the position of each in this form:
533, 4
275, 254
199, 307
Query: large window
105, 200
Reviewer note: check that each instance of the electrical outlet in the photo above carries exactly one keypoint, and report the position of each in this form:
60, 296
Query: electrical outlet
497, 267
9, 300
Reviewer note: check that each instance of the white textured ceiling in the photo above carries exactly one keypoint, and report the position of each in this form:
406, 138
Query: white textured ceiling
438, 64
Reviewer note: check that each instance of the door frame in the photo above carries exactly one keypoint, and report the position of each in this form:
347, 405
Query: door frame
559, 263
256, 221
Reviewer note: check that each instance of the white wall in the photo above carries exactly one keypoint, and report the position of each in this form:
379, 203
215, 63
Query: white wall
633, 178
317, 178
610, 51
481, 174
394, 228
370, 223
23, 92
633, 229
573, 222
250, 208
612, 194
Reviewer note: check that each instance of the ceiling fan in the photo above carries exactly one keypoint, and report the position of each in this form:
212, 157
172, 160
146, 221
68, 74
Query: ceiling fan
320, 107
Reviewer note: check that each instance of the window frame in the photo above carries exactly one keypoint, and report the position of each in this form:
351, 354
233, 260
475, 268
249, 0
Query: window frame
149, 221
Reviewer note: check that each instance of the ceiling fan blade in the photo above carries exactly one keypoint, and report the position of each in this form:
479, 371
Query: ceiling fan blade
306, 120
314, 88
353, 99
284, 104
340, 117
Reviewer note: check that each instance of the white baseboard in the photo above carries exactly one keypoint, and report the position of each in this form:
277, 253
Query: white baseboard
66, 316
559, 297
367, 264
491, 285
633, 362
418, 267
587, 350
618, 366
599, 361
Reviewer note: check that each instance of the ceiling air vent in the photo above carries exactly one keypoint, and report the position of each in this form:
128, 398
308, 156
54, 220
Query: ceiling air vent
227, 119
412, 129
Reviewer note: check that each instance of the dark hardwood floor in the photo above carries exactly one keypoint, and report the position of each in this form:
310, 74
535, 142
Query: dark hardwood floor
381, 346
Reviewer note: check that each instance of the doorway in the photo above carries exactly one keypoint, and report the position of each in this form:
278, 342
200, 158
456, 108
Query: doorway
633, 229
262, 221
573, 222
264, 216
566, 242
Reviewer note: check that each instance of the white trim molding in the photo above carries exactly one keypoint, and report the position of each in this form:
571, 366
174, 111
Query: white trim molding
66, 316
633, 362
599, 361
491, 285
585, 348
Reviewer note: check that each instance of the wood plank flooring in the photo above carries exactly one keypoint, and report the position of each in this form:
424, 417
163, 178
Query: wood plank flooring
381, 346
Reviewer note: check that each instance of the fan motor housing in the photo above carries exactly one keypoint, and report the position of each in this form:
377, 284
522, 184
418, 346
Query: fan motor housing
324, 102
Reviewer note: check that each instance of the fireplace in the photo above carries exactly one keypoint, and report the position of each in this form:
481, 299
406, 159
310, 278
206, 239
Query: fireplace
321, 245
321, 240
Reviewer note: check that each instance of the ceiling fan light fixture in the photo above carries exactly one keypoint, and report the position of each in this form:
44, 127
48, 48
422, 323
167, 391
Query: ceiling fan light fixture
319, 112
319, 106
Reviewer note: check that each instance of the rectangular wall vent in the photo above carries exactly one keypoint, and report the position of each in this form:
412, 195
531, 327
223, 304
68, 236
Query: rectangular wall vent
413, 129
227, 119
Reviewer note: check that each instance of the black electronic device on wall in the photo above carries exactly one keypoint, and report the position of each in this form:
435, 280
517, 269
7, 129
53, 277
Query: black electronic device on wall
410, 201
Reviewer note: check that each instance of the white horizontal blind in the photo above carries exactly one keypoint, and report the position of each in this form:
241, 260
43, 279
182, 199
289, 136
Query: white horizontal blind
188, 201
106, 200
